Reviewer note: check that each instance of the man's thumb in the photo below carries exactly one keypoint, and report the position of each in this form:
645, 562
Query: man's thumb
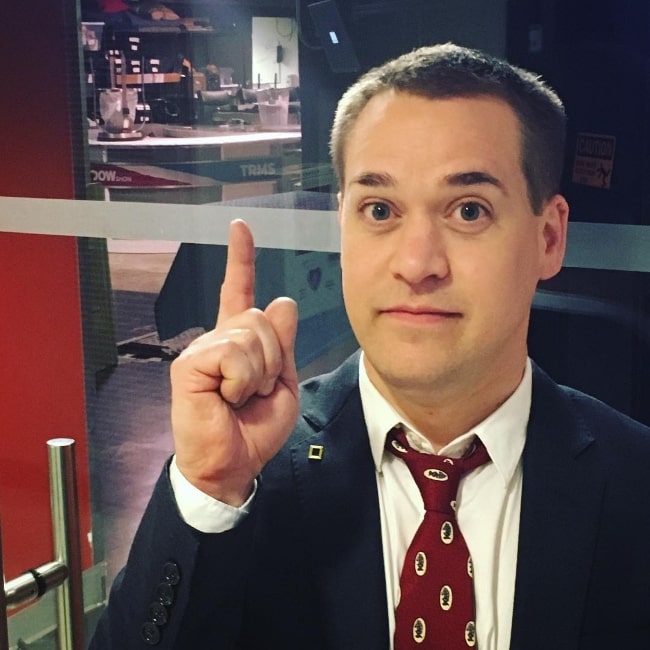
283, 316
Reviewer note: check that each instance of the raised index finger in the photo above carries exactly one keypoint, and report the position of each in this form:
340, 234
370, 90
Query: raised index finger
238, 288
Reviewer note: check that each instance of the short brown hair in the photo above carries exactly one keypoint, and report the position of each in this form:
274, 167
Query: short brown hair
447, 71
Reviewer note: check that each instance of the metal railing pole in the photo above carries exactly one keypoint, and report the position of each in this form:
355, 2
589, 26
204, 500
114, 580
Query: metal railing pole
4, 633
33, 584
67, 548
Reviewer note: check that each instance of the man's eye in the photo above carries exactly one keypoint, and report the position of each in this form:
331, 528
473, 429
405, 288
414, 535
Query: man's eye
378, 211
471, 211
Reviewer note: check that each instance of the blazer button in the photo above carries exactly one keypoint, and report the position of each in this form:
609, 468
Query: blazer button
158, 613
150, 633
165, 593
171, 573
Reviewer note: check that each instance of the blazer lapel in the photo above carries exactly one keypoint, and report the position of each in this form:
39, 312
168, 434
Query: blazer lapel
340, 508
563, 486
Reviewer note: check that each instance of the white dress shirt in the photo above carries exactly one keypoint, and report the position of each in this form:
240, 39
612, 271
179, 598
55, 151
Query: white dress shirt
488, 504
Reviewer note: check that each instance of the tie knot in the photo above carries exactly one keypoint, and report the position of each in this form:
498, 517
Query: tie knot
436, 476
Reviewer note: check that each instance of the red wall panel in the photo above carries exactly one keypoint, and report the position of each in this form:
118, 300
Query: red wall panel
36, 159
41, 389
41, 358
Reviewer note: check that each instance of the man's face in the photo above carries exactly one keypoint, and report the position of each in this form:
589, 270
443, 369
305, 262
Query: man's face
440, 249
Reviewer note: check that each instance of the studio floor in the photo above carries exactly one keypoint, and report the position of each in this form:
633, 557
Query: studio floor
129, 433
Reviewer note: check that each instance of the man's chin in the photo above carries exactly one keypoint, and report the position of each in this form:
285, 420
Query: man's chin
413, 374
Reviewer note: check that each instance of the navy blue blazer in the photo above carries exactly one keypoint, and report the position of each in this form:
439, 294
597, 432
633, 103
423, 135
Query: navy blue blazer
305, 570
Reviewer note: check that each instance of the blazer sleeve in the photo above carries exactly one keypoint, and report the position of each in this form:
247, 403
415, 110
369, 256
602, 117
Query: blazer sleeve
180, 588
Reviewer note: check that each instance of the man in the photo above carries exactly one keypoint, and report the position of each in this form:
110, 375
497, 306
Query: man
278, 529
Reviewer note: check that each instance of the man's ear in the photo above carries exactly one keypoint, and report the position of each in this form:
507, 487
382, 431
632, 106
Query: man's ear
553, 234
339, 198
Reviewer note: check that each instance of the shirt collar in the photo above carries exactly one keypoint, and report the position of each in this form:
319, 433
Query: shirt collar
503, 432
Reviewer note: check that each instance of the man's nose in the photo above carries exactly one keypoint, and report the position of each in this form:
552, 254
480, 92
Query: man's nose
420, 251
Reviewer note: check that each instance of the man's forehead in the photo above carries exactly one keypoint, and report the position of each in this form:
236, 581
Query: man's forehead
401, 110
396, 112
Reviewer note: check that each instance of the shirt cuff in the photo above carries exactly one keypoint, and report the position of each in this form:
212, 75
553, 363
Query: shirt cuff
200, 510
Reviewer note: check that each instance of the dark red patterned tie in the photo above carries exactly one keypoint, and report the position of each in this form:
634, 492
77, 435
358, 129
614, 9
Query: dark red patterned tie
436, 608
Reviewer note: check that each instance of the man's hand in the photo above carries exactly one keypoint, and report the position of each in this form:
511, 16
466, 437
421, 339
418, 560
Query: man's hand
235, 389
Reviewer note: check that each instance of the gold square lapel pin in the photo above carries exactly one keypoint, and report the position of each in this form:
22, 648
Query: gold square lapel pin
316, 452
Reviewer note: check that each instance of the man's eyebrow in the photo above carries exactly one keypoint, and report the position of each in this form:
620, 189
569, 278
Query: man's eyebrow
374, 179
462, 179
459, 179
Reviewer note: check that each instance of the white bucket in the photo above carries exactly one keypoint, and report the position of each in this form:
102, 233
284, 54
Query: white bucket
273, 105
